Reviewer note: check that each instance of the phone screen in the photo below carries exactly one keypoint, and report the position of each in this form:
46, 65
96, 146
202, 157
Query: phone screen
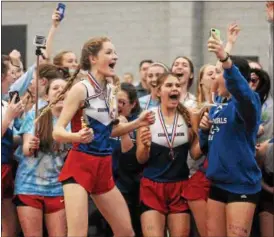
61, 8
12, 93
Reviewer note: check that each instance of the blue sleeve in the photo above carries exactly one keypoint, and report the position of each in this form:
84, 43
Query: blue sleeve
21, 85
28, 123
247, 102
203, 141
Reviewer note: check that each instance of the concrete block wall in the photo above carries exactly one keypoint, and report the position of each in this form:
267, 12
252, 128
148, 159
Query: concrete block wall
144, 30
251, 16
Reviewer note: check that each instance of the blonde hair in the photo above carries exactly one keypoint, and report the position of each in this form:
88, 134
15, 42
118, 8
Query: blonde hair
200, 94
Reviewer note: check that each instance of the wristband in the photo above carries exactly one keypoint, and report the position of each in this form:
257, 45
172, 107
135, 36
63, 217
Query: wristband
225, 59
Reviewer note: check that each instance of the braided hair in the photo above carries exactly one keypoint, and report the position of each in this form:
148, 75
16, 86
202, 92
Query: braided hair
48, 107
90, 48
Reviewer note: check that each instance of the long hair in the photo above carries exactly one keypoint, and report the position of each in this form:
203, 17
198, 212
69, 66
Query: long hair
200, 93
132, 95
264, 85
45, 126
180, 108
91, 47
191, 65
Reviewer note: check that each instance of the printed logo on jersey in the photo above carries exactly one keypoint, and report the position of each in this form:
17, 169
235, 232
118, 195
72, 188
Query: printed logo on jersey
178, 134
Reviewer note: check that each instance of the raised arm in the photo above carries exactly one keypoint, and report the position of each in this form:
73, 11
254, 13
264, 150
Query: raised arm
233, 31
13, 111
247, 102
55, 23
21, 85
146, 118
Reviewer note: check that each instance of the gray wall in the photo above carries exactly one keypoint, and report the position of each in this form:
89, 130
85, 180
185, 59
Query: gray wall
139, 30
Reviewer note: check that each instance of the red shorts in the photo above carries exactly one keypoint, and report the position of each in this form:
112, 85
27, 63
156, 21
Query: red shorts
93, 173
163, 197
48, 204
7, 182
197, 187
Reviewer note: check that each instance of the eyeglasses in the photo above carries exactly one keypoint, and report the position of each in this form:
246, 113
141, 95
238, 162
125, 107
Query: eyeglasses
253, 80
122, 102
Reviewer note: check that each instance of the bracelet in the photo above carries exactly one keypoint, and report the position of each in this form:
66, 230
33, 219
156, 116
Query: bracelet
225, 59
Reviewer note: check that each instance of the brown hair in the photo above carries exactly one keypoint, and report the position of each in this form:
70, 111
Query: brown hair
47, 108
91, 47
180, 108
58, 59
191, 79
45, 127
200, 94
49, 71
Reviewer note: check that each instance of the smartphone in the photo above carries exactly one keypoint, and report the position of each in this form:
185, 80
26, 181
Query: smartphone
217, 33
17, 98
61, 8
39, 41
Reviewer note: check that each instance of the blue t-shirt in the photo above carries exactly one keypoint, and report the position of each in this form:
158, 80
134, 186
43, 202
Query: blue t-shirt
39, 175
146, 102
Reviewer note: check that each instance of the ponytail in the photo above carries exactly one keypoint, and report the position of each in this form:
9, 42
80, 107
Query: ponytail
184, 112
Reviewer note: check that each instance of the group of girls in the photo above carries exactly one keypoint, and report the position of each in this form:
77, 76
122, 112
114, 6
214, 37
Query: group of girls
134, 164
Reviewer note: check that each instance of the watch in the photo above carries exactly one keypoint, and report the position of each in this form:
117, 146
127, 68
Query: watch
225, 59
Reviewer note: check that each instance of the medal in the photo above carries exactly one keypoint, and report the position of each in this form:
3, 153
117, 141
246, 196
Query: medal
99, 92
170, 139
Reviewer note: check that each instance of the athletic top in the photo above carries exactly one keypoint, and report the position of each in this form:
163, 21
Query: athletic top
162, 166
96, 115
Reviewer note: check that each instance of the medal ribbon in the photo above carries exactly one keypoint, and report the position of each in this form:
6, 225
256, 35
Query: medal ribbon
98, 88
148, 102
170, 140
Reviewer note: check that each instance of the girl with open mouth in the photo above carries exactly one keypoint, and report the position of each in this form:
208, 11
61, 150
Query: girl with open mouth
155, 70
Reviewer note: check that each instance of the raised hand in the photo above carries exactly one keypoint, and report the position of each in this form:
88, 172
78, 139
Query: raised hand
214, 45
56, 16
15, 54
14, 110
232, 33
